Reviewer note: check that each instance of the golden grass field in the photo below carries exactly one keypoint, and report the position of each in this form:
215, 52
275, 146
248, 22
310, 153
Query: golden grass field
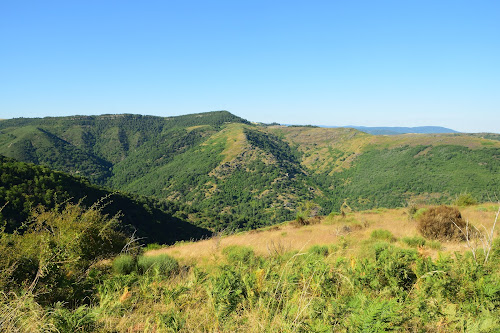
351, 231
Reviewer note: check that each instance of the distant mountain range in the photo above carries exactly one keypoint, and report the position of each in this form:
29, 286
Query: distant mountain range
400, 130
228, 173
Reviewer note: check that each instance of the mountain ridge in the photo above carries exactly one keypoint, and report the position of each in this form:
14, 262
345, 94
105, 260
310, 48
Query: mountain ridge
246, 175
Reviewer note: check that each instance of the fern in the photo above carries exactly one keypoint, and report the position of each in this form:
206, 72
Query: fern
377, 315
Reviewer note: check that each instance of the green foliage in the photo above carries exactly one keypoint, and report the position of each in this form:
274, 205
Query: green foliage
226, 292
239, 254
183, 159
434, 244
151, 246
25, 186
419, 213
415, 241
321, 250
124, 264
82, 319
376, 315
56, 252
465, 199
389, 289
382, 234
162, 264
390, 177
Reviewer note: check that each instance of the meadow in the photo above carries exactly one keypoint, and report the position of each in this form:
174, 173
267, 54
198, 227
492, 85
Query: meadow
367, 271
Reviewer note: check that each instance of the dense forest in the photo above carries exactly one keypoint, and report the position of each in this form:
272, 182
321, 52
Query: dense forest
24, 188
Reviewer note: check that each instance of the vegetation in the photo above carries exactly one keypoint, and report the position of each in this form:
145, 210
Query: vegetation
163, 265
73, 270
442, 223
465, 199
384, 235
55, 255
223, 173
322, 289
23, 187
72, 256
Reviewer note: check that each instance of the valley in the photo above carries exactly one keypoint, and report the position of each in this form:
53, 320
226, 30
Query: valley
243, 176
211, 223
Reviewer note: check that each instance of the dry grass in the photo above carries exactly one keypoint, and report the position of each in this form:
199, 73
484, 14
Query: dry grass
357, 226
235, 139
442, 222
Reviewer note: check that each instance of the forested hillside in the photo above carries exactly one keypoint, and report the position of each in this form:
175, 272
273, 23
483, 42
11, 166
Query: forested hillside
24, 187
228, 173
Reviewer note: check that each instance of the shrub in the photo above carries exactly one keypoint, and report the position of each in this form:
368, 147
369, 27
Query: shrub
435, 245
382, 234
79, 320
419, 213
62, 244
465, 199
320, 250
152, 246
414, 241
124, 264
441, 223
333, 214
161, 264
411, 211
300, 220
227, 291
235, 253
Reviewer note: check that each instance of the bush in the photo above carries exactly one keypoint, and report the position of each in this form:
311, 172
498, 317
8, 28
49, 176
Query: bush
300, 220
382, 234
414, 241
435, 245
161, 264
465, 199
235, 253
441, 223
124, 264
79, 320
320, 250
419, 213
152, 246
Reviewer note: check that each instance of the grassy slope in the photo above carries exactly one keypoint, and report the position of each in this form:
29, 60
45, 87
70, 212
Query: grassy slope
319, 278
351, 231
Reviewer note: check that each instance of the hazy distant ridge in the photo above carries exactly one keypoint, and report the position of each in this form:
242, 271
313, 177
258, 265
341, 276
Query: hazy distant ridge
401, 130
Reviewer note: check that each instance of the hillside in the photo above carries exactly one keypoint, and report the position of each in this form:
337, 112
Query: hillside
354, 229
237, 175
369, 271
23, 187
386, 171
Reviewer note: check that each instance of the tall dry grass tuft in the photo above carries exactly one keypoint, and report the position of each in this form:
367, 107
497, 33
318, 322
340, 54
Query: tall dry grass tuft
479, 238
22, 314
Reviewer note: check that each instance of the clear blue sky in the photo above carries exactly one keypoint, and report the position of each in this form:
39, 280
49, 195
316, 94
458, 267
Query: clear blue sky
372, 63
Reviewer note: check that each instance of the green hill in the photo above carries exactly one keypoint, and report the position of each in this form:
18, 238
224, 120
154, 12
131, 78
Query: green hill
233, 174
24, 186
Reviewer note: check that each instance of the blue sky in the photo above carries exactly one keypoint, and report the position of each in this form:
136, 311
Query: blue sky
371, 63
